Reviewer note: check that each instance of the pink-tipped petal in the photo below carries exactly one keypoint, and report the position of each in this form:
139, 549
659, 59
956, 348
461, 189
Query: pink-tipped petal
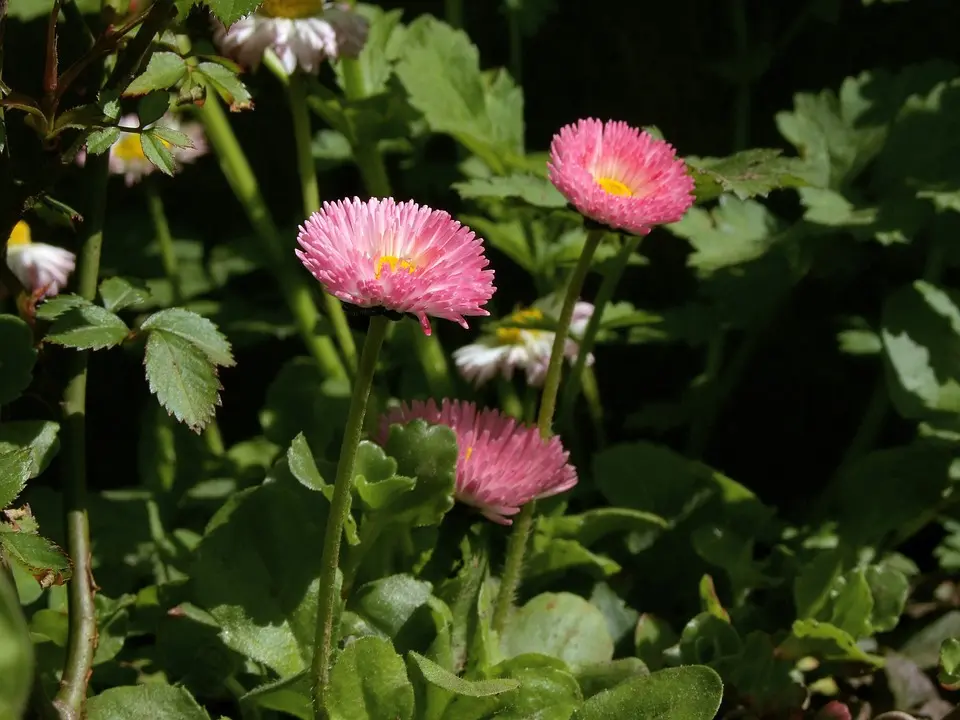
502, 465
619, 176
400, 256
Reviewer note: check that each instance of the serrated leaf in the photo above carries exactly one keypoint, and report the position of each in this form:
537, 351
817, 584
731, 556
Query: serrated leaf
17, 357
39, 437
99, 141
194, 328
157, 152
534, 190
39, 556
52, 308
152, 107
182, 377
746, 174
227, 85
87, 327
369, 682
15, 467
120, 293
164, 70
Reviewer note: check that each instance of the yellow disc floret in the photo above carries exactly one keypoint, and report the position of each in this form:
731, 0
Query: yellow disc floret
292, 9
513, 335
20, 234
614, 187
394, 263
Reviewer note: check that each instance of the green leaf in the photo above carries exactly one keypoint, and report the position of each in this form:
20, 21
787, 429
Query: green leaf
921, 340
196, 329
182, 377
54, 307
436, 675
156, 151
852, 604
41, 438
304, 468
15, 467
35, 553
292, 695
369, 682
533, 190
949, 672
16, 659
560, 625
733, 233
164, 70
812, 586
386, 605
376, 60
377, 484
593, 525
747, 174
440, 69
429, 454
693, 692
889, 588
256, 572
88, 327
651, 637
17, 358
707, 638
604, 676
823, 640
99, 141
169, 136
120, 293
153, 700
152, 107
226, 84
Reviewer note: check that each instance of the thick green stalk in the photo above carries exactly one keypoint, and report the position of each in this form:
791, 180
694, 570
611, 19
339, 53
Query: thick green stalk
293, 284
366, 152
339, 509
604, 295
517, 545
82, 637
311, 204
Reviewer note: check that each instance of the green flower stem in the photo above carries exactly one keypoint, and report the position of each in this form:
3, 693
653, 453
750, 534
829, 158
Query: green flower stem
171, 268
293, 284
369, 160
453, 12
604, 295
82, 638
517, 545
311, 204
340, 508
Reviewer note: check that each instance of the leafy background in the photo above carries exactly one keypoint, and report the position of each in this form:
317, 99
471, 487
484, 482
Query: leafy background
821, 317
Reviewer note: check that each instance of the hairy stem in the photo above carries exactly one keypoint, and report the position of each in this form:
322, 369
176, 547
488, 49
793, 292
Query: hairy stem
293, 284
311, 204
517, 545
82, 638
328, 601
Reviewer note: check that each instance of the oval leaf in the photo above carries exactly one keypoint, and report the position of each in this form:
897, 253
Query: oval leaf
692, 692
17, 357
369, 682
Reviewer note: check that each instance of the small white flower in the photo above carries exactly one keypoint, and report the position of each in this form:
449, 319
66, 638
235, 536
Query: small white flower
510, 349
126, 154
301, 33
42, 269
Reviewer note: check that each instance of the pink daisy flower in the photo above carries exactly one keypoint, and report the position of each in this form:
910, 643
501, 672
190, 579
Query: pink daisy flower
402, 257
619, 176
502, 465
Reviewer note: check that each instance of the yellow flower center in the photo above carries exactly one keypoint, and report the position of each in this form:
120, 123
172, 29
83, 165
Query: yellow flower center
394, 263
614, 187
292, 8
20, 235
469, 453
513, 335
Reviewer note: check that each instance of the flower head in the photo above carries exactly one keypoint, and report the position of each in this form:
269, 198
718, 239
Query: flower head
619, 176
301, 33
41, 268
509, 348
128, 159
402, 257
502, 465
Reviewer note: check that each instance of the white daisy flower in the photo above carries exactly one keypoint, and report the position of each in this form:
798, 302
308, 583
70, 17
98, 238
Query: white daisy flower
301, 33
43, 269
126, 154
509, 349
